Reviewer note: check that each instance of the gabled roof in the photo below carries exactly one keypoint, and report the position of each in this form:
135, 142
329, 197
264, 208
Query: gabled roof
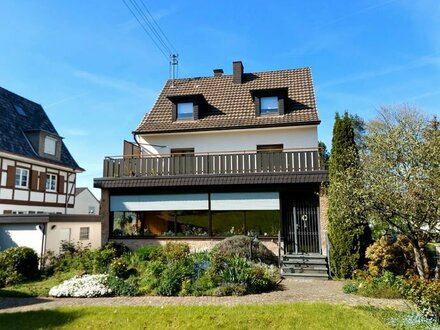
14, 126
82, 189
230, 105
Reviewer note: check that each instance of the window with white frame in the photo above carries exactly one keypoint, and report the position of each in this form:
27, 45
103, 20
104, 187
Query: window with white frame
51, 182
50, 145
21, 177
84, 233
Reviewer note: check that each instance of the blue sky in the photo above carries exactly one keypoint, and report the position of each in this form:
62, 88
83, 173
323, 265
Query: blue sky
96, 72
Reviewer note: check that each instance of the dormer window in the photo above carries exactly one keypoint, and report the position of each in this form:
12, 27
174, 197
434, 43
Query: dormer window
185, 111
269, 102
269, 105
50, 145
187, 107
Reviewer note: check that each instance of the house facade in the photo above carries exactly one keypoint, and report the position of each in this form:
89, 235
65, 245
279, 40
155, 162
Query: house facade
85, 202
220, 156
37, 172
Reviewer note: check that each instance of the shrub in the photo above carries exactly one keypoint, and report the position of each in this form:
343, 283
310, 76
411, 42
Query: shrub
241, 246
17, 264
119, 287
150, 276
237, 271
171, 279
203, 285
424, 293
263, 278
146, 253
391, 254
175, 251
383, 286
119, 268
98, 261
230, 289
119, 248
82, 286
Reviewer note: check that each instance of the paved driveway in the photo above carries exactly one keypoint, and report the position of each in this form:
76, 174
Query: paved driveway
290, 291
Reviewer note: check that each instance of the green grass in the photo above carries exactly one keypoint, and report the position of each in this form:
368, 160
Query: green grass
37, 288
286, 316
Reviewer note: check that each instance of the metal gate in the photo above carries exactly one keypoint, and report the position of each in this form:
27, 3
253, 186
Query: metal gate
301, 225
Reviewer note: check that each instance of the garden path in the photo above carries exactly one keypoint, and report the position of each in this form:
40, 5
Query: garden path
291, 290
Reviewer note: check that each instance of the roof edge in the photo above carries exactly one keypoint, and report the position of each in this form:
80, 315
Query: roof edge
228, 128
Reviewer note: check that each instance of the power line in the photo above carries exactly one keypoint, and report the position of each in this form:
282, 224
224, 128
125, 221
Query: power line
155, 33
158, 26
146, 31
150, 26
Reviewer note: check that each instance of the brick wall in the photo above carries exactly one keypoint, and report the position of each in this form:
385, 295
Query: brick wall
323, 218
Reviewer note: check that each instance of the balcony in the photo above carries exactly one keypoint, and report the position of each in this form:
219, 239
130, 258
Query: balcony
206, 164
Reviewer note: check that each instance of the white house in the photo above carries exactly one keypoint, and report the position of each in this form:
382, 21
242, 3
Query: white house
85, 202
219, 156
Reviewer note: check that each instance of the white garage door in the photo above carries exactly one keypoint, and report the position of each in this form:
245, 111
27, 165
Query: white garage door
12, 235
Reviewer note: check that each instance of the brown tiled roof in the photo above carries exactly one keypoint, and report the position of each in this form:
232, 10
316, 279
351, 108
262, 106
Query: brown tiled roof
212, 180
231, 105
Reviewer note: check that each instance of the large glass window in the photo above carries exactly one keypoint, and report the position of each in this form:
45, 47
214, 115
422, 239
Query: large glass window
260, 223
185, 111
161, 223
269, 105
196, 223
21, 177
192, 223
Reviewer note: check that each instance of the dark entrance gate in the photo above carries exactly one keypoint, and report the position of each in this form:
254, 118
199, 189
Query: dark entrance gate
301, 225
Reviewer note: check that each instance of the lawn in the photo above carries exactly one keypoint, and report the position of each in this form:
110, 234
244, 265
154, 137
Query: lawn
38, 288
285, 316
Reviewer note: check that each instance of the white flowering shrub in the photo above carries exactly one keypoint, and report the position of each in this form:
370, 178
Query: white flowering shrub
82, 286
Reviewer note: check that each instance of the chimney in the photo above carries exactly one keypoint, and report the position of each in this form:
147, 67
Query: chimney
237, 69
218, 72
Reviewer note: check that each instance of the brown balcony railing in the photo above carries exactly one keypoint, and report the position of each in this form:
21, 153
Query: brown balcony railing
209, 164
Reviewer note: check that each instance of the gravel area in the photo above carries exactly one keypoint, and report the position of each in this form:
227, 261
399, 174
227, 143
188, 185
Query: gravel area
291, 290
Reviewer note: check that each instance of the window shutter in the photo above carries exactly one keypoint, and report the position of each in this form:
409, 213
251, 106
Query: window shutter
10, 180
42, 186
34, 180
61, 184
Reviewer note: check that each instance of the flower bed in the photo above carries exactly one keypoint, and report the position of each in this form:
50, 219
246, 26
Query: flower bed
86, 286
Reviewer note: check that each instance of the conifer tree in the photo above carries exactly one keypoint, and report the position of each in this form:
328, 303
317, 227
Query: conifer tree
348, 231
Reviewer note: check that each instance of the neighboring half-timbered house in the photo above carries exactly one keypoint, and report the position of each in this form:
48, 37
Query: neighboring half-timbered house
37, 172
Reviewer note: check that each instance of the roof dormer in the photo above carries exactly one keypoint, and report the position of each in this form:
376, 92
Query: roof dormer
270, 102
187, 107
45, 144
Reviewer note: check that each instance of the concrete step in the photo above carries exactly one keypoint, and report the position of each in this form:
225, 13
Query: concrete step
305, 271
306, 266
316, 262
303, 276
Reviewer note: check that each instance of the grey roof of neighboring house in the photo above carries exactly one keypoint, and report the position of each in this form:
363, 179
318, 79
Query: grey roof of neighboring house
13, 127
230, 105
79, 190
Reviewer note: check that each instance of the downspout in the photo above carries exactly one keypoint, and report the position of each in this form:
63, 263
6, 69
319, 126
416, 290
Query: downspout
43, 245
